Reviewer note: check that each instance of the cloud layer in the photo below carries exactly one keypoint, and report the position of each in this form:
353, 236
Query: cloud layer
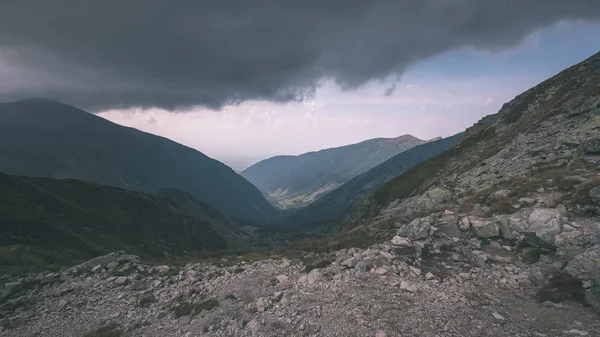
174, 54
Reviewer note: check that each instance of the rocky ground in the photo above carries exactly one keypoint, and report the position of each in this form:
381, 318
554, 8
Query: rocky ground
446, 274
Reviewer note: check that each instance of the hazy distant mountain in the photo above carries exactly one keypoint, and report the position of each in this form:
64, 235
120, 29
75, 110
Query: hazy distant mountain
49, 139
340, 201
59, 221
296, 181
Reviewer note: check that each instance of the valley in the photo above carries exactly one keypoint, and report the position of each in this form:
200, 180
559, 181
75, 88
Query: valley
495, 231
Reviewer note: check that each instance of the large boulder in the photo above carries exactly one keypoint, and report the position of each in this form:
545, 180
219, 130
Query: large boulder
586, 266
438, 196
449, 225
545, 223
417, 229
484, 228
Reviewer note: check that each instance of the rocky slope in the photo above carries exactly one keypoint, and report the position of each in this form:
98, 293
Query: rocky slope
49, 222
45, 138
339, 202
296, 181
529, 175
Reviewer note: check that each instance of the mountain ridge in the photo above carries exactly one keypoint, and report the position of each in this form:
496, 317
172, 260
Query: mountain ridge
296, 181
46, 138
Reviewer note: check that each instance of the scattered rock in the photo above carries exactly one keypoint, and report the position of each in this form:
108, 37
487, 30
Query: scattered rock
416, 229
530, 254
595, 194
498, 316
586, 266
406, 286
592, 146
315, 275
526, 201
282, 278
592, 298
350, 263
364, 265
380, 333
400, 241
484, 228
500, 194
545, 223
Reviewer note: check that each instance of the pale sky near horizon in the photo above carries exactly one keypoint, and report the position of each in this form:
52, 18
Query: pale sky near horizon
437, 97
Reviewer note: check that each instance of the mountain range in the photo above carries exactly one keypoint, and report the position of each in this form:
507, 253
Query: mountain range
45, 138
340, 201
296, 181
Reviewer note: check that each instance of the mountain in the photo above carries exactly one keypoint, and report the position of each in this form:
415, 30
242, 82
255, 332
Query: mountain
45, 138
296, 181
59, 221
528, 175
338, 202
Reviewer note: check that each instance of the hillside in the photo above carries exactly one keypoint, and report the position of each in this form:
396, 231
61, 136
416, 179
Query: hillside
296, 181
45, 138
50, 221
340, 201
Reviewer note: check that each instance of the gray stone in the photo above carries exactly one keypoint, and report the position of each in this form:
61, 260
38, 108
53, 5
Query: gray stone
121, 280
253, 326
586, 266
448, 225
484, 228
400, 241
595, 194
5, 322
4, 294
416, 229
530, 254
112, 265
139, 285
592, 146
504, 228
364, 265
592, 298
62, 304
545, 223
526, 201
315, 275
401, 251
406, 286
350, 263
500, 194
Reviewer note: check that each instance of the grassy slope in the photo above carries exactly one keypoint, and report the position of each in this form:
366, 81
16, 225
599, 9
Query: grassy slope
56, 222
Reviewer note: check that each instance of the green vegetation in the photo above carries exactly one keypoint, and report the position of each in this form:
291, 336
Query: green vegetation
46, 223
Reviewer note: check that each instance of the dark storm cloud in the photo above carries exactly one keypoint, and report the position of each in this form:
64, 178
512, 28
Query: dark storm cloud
177, 53
390, 90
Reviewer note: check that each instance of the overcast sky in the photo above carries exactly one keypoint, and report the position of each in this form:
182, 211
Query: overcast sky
438, 97
246, 80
